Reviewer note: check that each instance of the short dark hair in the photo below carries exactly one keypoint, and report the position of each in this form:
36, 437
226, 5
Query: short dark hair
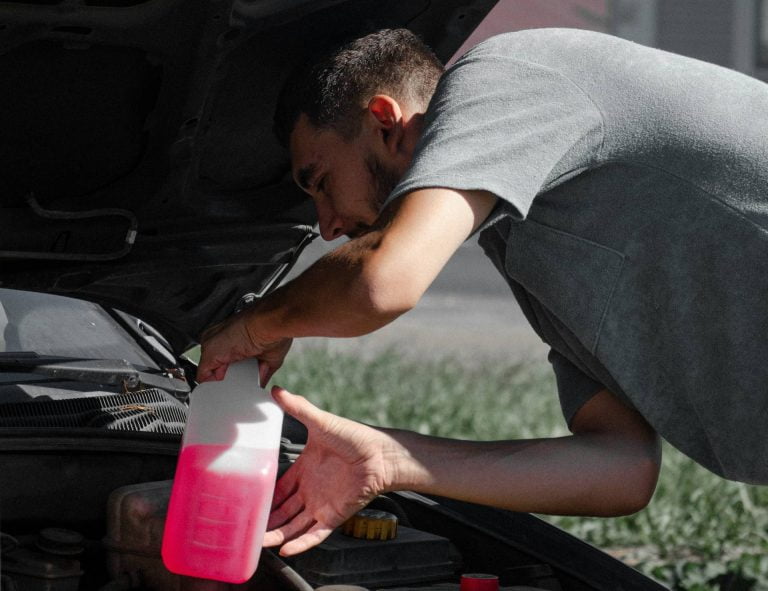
333, 88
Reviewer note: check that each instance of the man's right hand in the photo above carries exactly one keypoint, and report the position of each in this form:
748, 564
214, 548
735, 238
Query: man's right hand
233, 340
343, 467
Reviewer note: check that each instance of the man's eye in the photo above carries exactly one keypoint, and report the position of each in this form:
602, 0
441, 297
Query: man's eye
321, 185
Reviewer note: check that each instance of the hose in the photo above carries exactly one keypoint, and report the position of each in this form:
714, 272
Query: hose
7, 543
51, 214
123, 583
293, 580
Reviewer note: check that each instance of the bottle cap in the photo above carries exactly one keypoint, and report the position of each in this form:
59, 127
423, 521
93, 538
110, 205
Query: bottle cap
479, 582
370, 524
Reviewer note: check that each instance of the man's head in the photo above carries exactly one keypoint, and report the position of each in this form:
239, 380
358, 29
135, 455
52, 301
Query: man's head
351, 118
333, 89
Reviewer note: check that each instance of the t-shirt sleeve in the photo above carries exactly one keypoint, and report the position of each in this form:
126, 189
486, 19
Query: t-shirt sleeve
503, 125
574, 387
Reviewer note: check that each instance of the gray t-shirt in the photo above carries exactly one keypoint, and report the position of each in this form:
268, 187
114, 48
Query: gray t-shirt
631, 224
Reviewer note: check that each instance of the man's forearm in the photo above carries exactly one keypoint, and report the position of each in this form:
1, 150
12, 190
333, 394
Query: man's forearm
340, 295
372, 279
592, 474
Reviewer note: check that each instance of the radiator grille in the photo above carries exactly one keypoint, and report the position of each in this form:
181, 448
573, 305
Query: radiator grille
150, 410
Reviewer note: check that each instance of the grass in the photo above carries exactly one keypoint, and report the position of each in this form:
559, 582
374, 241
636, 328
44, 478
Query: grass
700, 532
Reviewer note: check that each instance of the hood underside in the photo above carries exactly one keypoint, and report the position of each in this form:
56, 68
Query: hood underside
137, 163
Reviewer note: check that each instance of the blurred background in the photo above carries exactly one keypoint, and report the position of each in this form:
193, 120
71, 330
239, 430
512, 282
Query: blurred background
730, 33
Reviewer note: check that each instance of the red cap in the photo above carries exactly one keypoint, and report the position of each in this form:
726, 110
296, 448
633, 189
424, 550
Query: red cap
479, 582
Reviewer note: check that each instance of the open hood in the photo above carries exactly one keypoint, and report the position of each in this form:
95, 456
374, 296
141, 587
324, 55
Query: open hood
137, 164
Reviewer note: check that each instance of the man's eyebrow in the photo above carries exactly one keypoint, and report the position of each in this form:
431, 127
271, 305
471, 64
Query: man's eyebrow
304, 175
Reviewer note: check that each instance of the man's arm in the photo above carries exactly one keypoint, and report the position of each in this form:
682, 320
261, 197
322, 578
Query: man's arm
359, 287
609, 466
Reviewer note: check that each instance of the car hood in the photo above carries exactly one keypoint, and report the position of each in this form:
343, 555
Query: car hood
137, 162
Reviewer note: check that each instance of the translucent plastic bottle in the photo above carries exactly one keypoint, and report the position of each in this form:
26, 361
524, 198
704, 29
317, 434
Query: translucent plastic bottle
225, 478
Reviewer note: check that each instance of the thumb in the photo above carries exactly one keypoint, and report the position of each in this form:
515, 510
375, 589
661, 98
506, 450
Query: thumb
298, 407
264, 373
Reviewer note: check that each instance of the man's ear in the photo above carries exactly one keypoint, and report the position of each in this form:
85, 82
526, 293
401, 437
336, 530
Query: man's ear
387, 118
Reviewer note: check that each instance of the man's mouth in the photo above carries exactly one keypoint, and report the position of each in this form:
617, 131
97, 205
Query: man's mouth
358, 231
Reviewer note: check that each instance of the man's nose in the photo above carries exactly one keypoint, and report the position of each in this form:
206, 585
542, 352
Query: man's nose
331, 227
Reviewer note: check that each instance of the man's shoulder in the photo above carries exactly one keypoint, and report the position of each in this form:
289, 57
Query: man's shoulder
589, 61
539, 44
549, 34
539, 57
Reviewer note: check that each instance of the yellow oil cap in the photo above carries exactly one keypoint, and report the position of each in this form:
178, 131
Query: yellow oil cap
369, 524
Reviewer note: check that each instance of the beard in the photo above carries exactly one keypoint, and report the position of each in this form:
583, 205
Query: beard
384, 178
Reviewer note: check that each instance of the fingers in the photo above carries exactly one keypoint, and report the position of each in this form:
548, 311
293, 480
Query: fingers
204, 373
295, 527
273, 358
285, 512
296, 406
230, 341
314, 535
286, 486
210, 370
268, 373
271, 538
210, 367
264, 373
267, 369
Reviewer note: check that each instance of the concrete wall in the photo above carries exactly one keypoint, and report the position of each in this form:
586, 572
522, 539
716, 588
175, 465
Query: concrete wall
697, 28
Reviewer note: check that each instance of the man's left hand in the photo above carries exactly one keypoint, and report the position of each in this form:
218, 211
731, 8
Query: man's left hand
234, 340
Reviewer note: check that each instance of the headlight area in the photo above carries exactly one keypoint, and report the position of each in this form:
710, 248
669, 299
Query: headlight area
84, 510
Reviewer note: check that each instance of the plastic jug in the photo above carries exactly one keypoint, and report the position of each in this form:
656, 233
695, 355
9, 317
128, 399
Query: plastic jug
225, 478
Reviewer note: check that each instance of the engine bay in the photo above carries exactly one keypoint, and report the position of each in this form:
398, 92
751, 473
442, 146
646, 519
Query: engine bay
84, 510
87, 474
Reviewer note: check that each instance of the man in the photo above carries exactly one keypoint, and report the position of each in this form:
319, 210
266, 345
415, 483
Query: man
620, 190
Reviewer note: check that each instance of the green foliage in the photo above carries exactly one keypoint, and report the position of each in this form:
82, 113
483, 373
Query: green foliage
699, 533
440, 398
